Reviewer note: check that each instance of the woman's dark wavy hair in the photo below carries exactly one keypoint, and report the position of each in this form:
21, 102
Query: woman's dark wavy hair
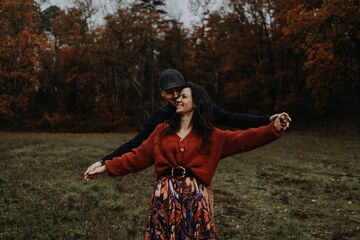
202, 117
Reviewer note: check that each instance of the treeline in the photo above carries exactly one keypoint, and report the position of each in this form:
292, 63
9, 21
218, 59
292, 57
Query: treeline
58, 70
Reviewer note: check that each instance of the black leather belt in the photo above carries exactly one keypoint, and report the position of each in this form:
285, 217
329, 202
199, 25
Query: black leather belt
178, 171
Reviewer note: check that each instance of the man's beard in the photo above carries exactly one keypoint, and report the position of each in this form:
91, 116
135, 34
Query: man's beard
173, 102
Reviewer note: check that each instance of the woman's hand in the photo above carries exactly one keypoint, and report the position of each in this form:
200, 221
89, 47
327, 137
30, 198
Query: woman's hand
94, 170
282, 121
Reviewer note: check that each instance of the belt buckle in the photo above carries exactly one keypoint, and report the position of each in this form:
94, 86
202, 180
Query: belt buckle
178, 167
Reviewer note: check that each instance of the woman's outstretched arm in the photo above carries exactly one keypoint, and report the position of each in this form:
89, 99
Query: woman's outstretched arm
134, 161
246, 140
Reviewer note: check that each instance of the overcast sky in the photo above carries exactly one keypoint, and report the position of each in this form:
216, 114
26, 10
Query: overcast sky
177, 9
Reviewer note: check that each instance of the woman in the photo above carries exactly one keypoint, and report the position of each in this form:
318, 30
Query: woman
185, 152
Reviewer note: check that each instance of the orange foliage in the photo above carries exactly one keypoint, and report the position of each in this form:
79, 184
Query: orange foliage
5, 107
264, 56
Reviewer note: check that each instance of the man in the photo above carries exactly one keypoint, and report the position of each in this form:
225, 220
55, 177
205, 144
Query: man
171, 82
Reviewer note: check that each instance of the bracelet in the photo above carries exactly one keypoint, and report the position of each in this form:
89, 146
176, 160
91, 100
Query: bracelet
102, 162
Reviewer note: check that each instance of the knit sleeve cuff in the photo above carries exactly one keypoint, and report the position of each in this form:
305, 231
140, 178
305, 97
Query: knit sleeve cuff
277, 134
110, 169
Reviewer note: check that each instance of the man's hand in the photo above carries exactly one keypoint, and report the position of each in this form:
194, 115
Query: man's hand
93, 171
282, 121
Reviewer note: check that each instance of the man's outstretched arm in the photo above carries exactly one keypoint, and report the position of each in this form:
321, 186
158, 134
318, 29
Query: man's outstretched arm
236, 120
158, 116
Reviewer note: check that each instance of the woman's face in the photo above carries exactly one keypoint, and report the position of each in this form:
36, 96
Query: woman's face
184, 104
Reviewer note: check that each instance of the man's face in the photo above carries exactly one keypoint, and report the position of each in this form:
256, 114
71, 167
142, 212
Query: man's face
170, 95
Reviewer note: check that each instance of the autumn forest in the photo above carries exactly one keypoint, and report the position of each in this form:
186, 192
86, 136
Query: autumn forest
59, 70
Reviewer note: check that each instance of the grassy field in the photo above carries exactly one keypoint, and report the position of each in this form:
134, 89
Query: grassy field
304, 186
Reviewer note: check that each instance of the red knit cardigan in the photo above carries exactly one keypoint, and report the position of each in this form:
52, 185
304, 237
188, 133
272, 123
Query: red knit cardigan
171, 150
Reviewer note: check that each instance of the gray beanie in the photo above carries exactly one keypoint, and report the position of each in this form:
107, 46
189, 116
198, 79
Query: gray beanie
171, 78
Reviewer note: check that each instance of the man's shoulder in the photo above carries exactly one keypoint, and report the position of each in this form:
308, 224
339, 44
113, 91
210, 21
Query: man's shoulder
166, 107
216, 108
164, 112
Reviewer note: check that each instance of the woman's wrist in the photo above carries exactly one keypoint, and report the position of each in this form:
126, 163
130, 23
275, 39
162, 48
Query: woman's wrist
102, 162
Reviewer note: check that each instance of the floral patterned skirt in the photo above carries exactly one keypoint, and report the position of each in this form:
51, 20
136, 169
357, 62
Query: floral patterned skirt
180, 210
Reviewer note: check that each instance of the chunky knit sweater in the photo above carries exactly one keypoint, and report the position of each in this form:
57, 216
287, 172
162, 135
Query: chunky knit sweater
164, 113
171, 151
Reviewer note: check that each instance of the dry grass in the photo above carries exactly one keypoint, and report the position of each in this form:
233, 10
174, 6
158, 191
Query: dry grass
305, 186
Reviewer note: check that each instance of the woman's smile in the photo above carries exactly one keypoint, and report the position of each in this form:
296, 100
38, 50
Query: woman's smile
184, 103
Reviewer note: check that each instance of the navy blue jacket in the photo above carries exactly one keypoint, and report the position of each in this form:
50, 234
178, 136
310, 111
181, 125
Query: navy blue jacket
160, 115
